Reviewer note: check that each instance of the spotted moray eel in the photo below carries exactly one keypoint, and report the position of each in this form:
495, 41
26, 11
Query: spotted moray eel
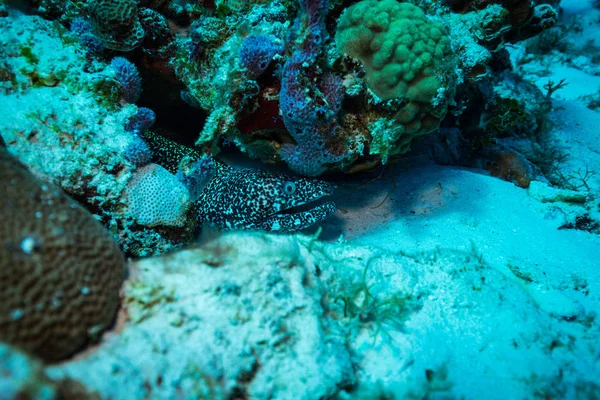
245, 198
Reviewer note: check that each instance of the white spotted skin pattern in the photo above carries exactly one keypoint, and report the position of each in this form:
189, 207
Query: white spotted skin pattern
248, 199
258, 200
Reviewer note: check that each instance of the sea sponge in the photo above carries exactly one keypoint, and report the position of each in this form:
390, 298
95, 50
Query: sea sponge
138, 152
117, 23
257, 52
60, 270
143, 119
85, 32
155, 197
407, 58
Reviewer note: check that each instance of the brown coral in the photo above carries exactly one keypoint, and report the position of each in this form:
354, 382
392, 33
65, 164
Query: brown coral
117, 23
60, 270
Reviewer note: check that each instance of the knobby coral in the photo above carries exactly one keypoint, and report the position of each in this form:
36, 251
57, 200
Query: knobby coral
408, 61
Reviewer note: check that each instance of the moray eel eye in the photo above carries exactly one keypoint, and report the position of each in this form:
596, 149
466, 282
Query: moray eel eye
289, 188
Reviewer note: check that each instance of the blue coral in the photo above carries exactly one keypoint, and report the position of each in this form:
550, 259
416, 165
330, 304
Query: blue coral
143, 119
87, 36
129, 78
310, 111
257, 52
138, 152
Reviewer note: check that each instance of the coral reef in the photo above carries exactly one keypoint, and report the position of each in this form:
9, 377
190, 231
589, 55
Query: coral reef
234, 65
155, 197
70, 128
256, 52
61, 271
418, 273
130, 81
24, 378
258, 315
517, 20
281, 92
117, 23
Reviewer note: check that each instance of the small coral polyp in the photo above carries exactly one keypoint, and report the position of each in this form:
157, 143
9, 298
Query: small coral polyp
407, 59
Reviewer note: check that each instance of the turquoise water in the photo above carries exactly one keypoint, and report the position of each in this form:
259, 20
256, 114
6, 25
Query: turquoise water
307, 199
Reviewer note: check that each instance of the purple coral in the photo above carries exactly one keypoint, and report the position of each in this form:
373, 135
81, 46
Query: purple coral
87, 36
309, 118
143, 119
309, 111
129, 79
138, 152
257, 52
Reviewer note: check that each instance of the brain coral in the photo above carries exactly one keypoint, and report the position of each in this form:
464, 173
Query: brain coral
406, 56
60, 270
117, 23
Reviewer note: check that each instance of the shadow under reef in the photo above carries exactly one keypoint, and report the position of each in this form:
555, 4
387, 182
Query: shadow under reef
409, 188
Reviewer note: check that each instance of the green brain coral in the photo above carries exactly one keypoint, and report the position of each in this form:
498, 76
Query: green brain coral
407, 58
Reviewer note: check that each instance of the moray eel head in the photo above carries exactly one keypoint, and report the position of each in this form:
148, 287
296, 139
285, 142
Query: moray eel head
260, 200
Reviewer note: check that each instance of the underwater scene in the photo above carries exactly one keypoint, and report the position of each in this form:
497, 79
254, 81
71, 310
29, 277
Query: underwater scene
299, 199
